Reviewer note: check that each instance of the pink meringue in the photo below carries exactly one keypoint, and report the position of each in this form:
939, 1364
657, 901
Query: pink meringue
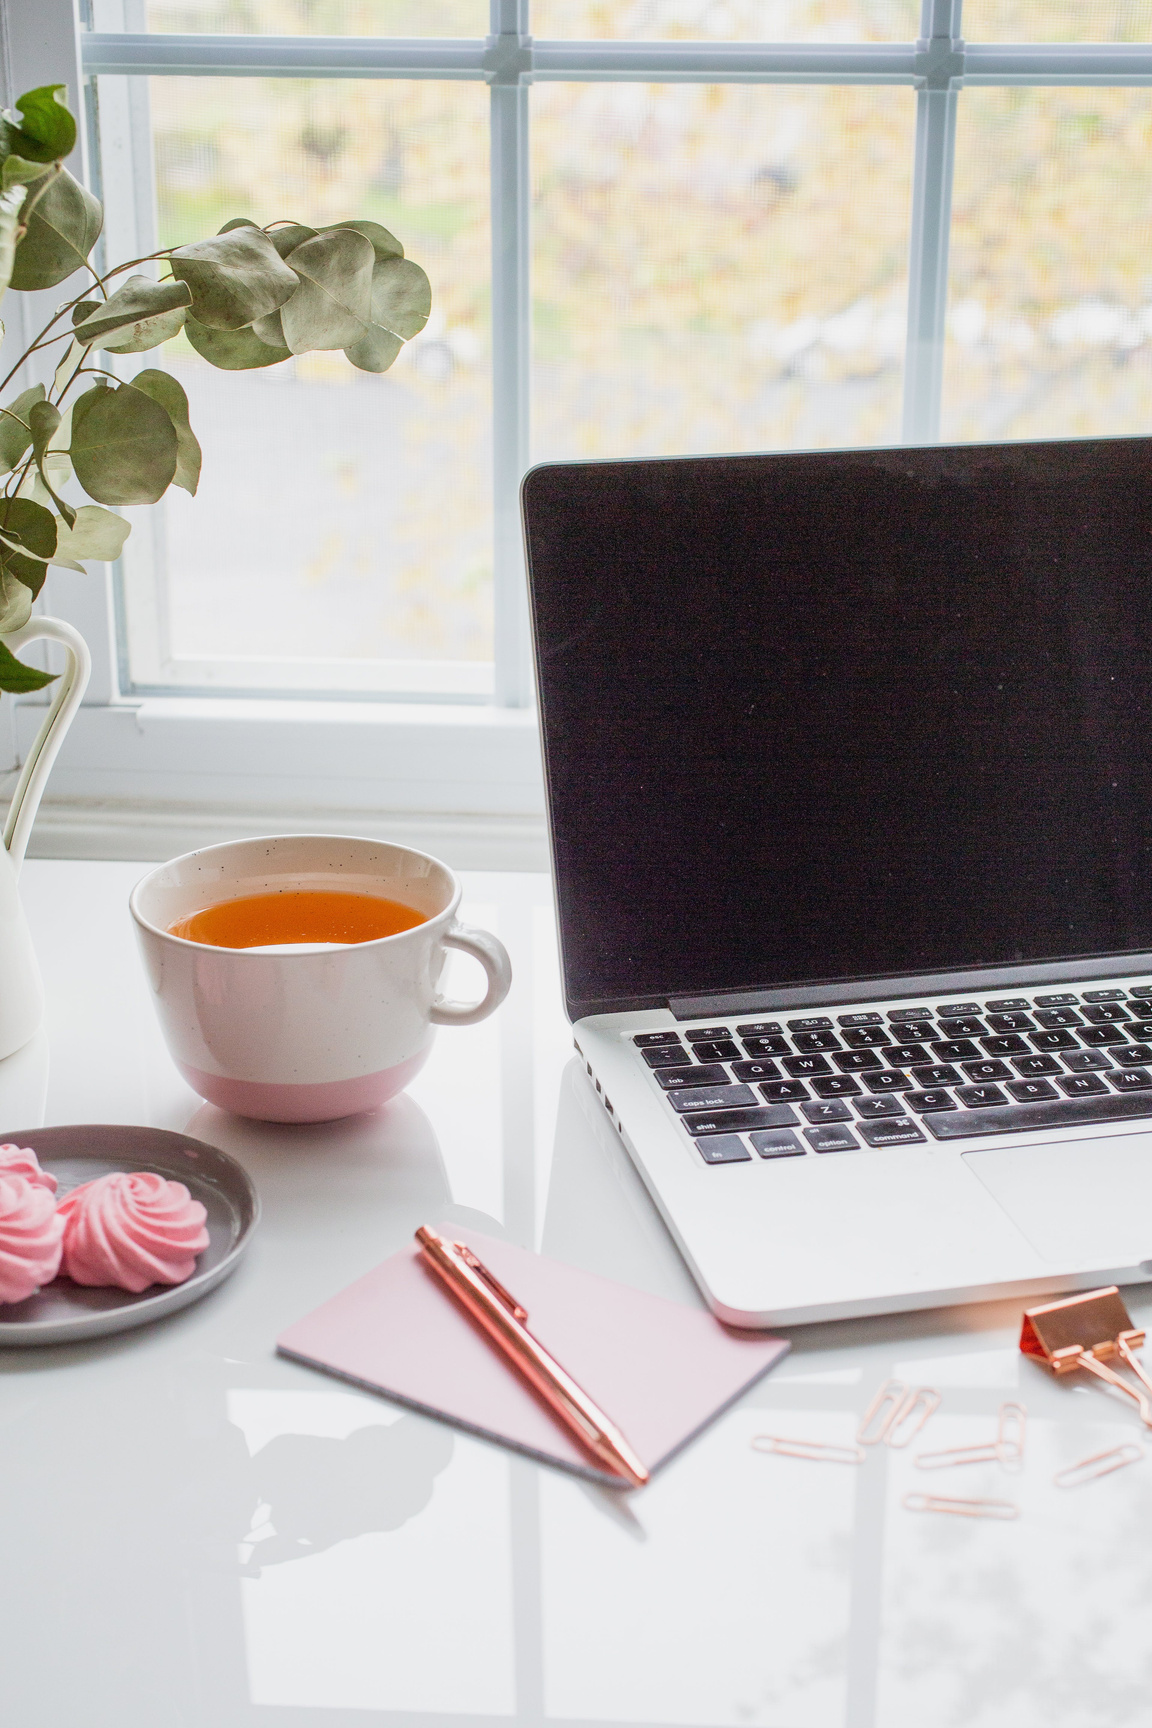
31, 1235
22, 1161
131, 1230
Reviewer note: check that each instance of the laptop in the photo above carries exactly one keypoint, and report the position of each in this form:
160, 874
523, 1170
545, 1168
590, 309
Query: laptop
848, 758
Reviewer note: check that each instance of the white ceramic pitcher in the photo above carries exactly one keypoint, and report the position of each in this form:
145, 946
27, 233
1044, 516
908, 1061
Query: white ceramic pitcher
21, 992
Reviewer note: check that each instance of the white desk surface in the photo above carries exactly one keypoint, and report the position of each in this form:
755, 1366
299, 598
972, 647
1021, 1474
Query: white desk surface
196, 1534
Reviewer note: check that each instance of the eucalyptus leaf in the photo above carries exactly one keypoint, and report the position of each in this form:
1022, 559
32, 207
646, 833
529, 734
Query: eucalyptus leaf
15, 609
332, 307
384, 245
270, 330
62, 230
124, 447
33, 529
231, 350
163, 388
11, 203
291, 235
17, 172
14, 675
136, 304
96, 533
66, 368
237, 222
45, 132
401, 296
15, 431
375, 351
44, 419
234, 278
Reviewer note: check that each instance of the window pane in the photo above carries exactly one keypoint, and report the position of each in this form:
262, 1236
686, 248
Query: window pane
718, 267
341, 516
320, 17
1058, 21
732, 20
1050, 312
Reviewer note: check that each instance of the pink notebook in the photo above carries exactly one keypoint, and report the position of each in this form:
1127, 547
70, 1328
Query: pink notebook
660, 1371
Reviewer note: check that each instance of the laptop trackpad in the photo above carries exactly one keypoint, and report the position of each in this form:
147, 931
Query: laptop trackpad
1082, 1203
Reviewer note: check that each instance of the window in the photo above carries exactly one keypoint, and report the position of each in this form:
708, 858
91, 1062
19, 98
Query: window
653, 226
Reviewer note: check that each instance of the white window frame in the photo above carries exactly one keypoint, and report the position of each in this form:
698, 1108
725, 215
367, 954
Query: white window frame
145, 777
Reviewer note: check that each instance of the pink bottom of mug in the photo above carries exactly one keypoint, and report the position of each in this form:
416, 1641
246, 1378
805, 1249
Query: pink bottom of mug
323, 1102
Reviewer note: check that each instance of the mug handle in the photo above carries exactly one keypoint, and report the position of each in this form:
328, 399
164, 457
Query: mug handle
70, 688
493, 956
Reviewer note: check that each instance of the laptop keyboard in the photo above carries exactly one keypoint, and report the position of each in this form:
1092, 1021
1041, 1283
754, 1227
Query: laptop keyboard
828, 1083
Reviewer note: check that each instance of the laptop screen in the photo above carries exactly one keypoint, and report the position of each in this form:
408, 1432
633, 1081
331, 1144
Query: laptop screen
844, 714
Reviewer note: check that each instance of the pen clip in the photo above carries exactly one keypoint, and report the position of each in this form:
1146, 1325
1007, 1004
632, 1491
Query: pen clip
496, 1288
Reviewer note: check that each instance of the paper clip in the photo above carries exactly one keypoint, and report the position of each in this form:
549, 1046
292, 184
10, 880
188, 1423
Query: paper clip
818, 1451
906, 1422
1076, 1475
1004, 1509
1087, 1332
1007, 1448
889, 1399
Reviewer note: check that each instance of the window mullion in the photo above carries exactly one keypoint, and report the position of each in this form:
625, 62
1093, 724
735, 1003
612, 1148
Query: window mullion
931, 222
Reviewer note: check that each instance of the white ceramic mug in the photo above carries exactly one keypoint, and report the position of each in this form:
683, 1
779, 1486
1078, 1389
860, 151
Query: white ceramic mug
307, 1033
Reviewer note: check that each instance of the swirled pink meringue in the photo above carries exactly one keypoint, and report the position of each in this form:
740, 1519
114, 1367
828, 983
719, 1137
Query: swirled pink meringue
131, 1230
31, 1235
22, 1161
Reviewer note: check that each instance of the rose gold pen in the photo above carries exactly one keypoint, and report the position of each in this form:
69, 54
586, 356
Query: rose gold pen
502, 1318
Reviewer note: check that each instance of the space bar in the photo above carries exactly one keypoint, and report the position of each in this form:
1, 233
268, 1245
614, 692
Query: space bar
1060, 1113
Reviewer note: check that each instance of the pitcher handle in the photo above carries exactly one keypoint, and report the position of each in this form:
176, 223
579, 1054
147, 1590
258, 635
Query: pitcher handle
70, 688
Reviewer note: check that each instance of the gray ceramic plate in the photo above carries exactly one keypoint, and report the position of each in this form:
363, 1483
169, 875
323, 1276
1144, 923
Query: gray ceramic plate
66, 1313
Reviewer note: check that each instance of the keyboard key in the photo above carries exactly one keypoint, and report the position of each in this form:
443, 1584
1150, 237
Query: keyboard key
866, 1037
1086, 1061
715, 1050
770, 1044
936, 1074
1133, 1055
1024, 1091
1130, 1079
1005, 1044
739, 1121
763, 1070
1081, 1085
961, 1026
833, 1111
858, 1061
1030, 1065
836, 1086
915, 1031
1103, 996
906, 1055
858, 1019
1106, 1014
959, 1008
887, 1080
1052, 1040
898, 1132
980, 1097
870, 1108
807, 1065
724, 1149
781, 1091
832, 1138
816, 1041
1011, 1022
776, 1143
812, 1023
1007, 1006
711, 1098
643, 1039
1060, 1017
1063, 1000
1141, 990
990, 1069
1140, 1010
759, 1029
923, 1102
1061, 1113
708, 1074
915, 1013
665, 1055
1093, 1035
707, 1034
955, 1049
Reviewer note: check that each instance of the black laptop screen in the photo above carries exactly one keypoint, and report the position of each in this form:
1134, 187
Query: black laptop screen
844, 714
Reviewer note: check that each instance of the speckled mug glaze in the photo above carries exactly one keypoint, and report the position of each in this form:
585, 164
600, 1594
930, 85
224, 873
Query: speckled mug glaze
308, 1033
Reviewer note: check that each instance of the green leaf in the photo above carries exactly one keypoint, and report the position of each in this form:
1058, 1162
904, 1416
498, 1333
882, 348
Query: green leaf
163, 388
33, 530
375, 351
231, 350
132, 315
15, 431
45, 131
237, 222
62, 230
291, 235
401, 296
384, 245
14, 675
124, 447
17, 172
96, 533
15, 606
333, 305
11, 203
234, 278
44, 419
270, 330
65, 372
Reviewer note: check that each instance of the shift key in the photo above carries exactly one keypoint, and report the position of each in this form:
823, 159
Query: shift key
740, 1121
711, 1098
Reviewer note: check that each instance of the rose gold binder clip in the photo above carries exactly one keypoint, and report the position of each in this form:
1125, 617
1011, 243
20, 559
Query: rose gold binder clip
1088, 1332
896, 1414
1098, 1464
1007, 1449
817, 1451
